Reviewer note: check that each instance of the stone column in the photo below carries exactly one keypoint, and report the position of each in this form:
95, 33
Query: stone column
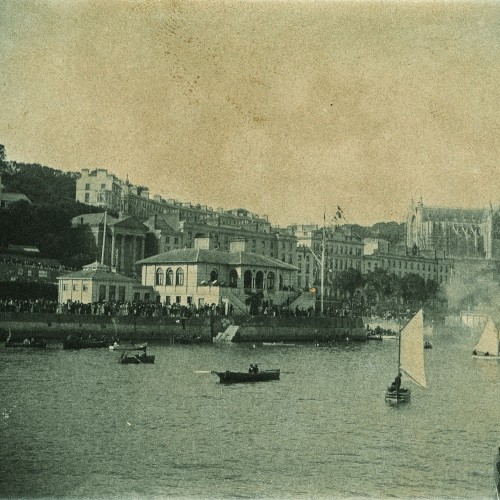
122, 254
113, 240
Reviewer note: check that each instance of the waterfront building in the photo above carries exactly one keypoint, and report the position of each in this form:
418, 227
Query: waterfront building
124, 244
206, 275
172, 233
26, 264
457, 232
401, 260
96, 283
343, 250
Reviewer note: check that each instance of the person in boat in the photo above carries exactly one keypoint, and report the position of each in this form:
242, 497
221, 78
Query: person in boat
250, 368
474, 352
256, 368
396, 384
26, 342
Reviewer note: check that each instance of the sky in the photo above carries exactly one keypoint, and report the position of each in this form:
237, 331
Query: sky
286, 108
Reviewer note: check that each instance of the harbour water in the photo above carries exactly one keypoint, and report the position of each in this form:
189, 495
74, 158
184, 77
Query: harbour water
77, 424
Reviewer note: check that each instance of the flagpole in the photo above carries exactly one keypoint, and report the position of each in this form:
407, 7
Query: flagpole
104, 236
323, 266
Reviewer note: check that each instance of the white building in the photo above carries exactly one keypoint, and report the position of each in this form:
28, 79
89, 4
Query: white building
96, 283
203, 275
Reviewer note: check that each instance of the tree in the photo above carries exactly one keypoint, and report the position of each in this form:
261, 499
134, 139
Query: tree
413, 289
348, 282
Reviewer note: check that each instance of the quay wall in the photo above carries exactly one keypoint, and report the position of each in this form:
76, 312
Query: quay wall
202, 328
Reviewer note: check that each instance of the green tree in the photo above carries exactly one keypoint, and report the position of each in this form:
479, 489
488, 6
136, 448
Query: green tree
413, 289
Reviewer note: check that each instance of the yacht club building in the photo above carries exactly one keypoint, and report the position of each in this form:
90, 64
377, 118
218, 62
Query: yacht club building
204, 275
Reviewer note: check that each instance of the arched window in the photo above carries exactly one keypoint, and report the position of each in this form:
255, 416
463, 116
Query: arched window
159, 277
259, 280
247, 279
179, 277
270, 281
214, 275
233, 278
170, 276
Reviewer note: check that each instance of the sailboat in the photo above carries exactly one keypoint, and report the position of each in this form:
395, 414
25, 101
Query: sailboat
410, 359
487, 347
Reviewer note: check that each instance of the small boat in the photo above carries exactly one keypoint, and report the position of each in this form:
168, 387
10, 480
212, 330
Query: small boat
277, 344
137, 359
33, 342
427, 345
128, 347
229, 377
488, 344
78, 343
410, 360
496, 473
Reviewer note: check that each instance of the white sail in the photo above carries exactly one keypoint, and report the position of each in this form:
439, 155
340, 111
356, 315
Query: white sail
489, 339
412, 349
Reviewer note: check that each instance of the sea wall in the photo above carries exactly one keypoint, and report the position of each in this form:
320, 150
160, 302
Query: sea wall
202, 328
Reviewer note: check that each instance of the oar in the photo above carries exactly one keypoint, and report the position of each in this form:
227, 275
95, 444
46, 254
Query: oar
202, 371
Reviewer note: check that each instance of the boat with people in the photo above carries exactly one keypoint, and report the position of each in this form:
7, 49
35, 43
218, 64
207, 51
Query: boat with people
128, 347
427, 345
137, 359
252, 375
28, 342
488, 345
71, 342
410, 360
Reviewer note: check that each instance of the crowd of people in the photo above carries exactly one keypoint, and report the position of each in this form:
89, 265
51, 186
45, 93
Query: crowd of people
154, 309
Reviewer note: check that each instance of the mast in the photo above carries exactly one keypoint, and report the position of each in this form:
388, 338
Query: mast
323, 266
104, 236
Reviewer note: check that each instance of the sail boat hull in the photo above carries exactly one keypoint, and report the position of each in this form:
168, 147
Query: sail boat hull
486, 356
396, 397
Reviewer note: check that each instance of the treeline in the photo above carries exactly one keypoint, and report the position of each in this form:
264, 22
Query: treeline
44, 221
385, 290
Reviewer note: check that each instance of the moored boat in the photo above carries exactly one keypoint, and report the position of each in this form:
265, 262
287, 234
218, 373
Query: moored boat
128, 347
78, 343
137, 359
229, 377
33, 343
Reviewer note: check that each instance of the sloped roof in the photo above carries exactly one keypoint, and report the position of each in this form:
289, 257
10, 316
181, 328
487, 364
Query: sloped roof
444, 214
95, 219
195, 255
98, 274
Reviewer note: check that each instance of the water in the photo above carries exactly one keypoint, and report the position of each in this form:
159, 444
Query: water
77, 424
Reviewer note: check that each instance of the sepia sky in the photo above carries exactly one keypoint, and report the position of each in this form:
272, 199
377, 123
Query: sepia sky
286, 108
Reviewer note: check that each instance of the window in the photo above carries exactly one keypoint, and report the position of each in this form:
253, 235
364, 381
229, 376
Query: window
159, 277
102, 292
121, 293
167, 300
85, 288
65, 286
112, 293
103, 186
178, 299
75, 287
42, 274
87, 197
179, 277
170, 276
87, 187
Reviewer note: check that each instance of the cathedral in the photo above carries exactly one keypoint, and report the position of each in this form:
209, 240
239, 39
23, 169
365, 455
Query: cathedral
454, 232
